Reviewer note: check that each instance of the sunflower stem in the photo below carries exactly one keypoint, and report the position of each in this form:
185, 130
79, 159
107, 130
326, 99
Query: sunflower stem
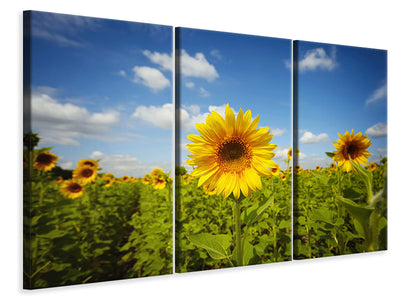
238, 232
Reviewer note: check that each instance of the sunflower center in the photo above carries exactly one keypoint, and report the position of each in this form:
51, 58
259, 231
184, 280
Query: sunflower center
44, 159
75, 187
87, 172
233, 155
352, 150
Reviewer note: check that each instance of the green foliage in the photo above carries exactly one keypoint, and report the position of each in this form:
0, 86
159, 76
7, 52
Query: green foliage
205, 228
115, 232
334, 212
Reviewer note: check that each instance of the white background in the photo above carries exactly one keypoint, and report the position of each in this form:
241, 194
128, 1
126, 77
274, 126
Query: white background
365, 23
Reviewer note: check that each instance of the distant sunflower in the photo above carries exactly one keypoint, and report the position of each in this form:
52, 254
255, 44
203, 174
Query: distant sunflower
283, 177
88, 162
156, 172
289, 154
318, 168
372, 167
159, 182
109, 182
333, 166
354, 146
146, 179
72, 189
231, 154
275, 171
125, 178
84, 174
45, 161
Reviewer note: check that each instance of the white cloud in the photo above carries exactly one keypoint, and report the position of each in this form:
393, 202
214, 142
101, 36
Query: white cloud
216, 53
122, 73
378, 95
162, 59
189, 84
64, 123
288, 64
126, 164
67, 165
377, 131
382, 150
197, 66
151, 78
277, 131
318, 59
204, 93
310, 138
159, 116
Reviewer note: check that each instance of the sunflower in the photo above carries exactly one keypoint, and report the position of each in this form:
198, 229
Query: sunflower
72, 189
333, 166
45, 161
156, 172
146, 179
289, 154
109, 182
318, 168
88, 162
354, 146
372, 167
275, 171
125, 178
283, 177
231, 154
159, 182
84, 174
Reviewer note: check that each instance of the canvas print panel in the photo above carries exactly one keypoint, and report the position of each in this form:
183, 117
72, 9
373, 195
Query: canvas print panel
97, 150
340, 166
233, 176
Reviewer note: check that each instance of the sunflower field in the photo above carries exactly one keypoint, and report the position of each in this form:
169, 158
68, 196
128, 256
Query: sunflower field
342, 208
86, 226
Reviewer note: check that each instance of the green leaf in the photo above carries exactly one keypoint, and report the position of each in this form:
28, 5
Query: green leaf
216, 245
366, 175
256, 211
323, 214
360, 213
248, 253
330, 154
350, 193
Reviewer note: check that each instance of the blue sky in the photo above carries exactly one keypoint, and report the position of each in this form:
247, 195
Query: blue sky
340, 88
96, 84
248, 72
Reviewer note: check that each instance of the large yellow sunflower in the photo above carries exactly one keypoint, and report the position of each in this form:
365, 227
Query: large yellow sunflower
45, 161
354, 146
231, 154
72, 189
84, 174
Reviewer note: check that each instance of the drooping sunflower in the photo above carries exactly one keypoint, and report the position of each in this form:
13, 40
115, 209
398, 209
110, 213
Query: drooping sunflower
159, 182
231, 154
45, 161
72, 189
84, 174
354, 146
88, 162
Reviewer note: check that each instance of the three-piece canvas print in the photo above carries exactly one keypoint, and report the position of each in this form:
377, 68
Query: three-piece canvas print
144, 156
